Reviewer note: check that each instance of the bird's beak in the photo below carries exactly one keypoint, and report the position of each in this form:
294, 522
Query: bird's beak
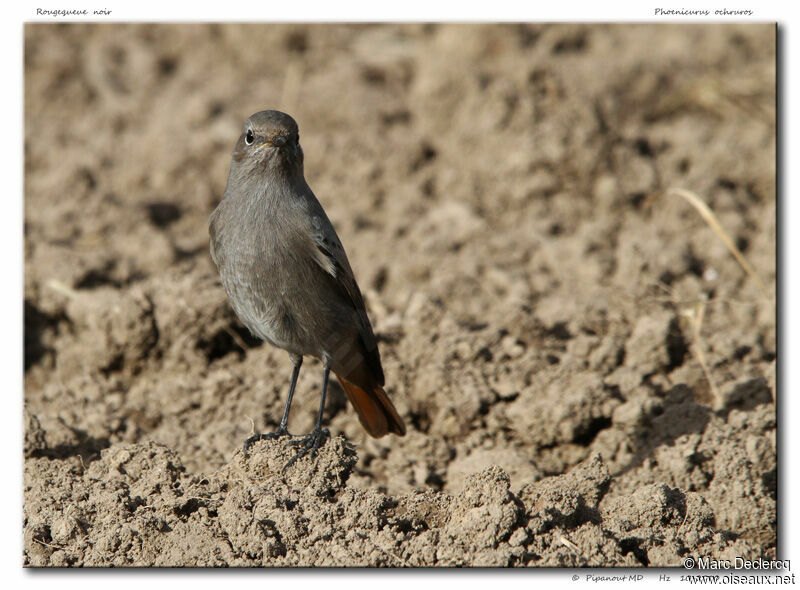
277, 141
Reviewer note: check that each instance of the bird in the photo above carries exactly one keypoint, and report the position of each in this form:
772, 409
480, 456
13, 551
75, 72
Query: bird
288, 279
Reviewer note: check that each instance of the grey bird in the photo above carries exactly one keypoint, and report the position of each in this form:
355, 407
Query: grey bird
288, 278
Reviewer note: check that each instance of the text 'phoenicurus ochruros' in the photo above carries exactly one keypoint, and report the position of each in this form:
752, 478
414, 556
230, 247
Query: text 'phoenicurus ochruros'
288, 279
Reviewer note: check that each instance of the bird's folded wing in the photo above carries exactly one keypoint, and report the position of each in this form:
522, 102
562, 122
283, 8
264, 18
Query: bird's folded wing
329, 254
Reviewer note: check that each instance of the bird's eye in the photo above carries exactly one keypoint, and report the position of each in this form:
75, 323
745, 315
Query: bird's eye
249, 138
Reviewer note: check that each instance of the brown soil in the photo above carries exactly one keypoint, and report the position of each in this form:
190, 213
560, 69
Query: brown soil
502, 195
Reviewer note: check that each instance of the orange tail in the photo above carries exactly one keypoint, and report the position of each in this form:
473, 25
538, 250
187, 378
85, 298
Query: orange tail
375, 410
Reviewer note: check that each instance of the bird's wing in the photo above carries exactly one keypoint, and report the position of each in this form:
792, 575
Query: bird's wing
329, 254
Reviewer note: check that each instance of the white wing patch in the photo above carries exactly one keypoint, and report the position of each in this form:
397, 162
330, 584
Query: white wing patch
325, 261
325, 250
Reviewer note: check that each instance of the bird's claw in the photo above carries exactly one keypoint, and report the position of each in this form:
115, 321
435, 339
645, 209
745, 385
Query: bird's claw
309, 444
281, 431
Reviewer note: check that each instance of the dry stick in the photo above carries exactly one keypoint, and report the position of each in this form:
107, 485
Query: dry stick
61, 288
697, 324
711, 219
236, 338
685, 516
567, 543
696, 316
54, 546
708, 216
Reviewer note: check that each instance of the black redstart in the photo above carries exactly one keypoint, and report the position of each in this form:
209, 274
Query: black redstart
288, 279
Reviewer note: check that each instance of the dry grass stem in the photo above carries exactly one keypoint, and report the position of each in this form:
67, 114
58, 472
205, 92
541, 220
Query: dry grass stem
708, 216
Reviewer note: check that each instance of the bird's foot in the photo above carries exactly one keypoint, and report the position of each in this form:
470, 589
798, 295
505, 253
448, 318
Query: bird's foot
281, 431
308, 444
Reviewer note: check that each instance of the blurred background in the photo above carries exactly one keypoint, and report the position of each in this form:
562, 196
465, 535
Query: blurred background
502, 192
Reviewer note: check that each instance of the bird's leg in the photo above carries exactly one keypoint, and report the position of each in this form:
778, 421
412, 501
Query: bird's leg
282, 430
298, 361
311, 442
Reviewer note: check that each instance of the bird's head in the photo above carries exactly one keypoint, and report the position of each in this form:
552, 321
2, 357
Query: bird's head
270, 143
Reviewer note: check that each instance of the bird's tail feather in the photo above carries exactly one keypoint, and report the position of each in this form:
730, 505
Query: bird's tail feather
375, 410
